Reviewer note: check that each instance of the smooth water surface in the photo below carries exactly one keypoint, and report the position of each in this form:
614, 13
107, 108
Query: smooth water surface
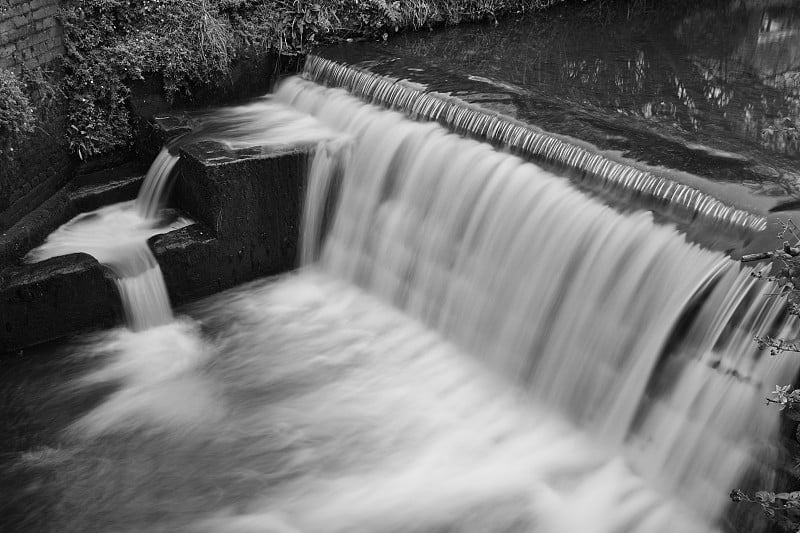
710, 88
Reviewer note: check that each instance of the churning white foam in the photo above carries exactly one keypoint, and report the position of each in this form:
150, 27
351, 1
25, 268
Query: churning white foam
116, 235
313, 407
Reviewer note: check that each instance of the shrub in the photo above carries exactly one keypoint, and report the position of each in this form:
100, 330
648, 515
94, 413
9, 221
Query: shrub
783, 508
17, 117
110, 43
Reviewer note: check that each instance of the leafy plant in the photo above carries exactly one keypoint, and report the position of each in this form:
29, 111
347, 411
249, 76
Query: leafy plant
192, 43
785, 272
781, 507
17, 115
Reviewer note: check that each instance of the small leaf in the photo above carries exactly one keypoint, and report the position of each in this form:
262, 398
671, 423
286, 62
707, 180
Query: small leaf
765, 496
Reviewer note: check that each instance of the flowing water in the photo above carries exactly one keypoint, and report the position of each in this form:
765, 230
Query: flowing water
473, 344
116, 236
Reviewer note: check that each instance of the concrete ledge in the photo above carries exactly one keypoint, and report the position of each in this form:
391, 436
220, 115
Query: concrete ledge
85, 193
248, 208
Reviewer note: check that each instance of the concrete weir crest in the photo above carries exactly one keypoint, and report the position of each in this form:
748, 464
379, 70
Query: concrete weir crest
619, 182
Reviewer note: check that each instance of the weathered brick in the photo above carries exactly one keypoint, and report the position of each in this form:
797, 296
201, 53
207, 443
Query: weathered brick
37, 38
9, 57
7, 27
12, 12
41, 48
29, 33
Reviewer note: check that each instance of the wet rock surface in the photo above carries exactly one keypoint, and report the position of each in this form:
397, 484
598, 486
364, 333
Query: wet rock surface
55, 298
192, 262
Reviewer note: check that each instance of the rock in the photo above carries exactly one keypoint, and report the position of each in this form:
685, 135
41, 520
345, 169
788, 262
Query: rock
58, 297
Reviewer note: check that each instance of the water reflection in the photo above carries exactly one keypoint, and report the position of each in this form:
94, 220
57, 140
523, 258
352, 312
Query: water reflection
720, 74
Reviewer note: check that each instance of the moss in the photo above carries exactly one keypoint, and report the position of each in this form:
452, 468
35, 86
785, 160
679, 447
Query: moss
191, 43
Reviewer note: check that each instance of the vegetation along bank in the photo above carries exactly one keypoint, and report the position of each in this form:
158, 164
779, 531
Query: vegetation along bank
111, 44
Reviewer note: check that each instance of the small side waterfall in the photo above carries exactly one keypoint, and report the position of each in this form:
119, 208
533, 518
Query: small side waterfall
575, 301
152, 195
264, 124
116, 236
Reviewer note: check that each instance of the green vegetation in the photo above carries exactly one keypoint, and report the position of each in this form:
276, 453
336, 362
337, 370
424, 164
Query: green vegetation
192, 43
25, 99
17, 116
783, 508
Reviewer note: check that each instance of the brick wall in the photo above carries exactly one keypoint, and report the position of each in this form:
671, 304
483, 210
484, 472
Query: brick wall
30, 36
29, 33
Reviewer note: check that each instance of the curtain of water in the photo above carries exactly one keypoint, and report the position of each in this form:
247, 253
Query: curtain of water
151, 196
570, 298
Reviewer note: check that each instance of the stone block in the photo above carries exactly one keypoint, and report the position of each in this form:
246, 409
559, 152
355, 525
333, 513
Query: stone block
48, 300
251, 201
50, 10
193, 262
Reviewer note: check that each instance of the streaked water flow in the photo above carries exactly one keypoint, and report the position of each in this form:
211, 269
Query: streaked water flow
152, 194
571, 299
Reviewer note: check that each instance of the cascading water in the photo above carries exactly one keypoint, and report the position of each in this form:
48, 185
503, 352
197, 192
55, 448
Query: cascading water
561, 293
314, 406
116, 236
152, 195
264, 124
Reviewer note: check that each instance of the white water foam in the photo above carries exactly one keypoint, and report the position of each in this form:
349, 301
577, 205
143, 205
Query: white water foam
569, 298
316, 408
116, 235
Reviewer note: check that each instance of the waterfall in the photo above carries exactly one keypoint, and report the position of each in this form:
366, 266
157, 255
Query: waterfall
581, 305
116, 236
476, 343
152, 195
263, 124
618, 181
